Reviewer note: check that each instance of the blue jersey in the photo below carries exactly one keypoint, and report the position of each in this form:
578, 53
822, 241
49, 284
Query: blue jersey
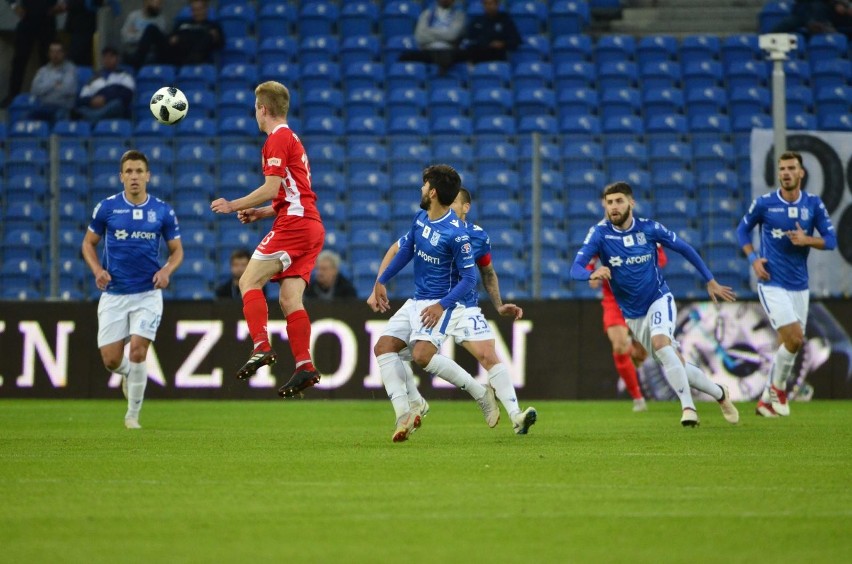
438, 248
631, 255
481, 249
786, 263
132, 237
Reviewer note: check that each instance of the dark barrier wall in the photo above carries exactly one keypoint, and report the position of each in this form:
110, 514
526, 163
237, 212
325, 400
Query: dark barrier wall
558, 351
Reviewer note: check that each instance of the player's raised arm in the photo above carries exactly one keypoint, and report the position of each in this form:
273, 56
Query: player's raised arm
267, 191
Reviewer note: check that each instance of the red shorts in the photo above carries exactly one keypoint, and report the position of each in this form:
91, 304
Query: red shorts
296, 246
612, 316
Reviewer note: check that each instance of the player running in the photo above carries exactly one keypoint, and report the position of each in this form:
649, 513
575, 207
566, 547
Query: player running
473, 331
627, 247
788, 217
438, 243
131, 224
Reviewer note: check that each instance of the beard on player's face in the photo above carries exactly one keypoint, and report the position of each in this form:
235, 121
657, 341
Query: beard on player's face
618, 218
425, 202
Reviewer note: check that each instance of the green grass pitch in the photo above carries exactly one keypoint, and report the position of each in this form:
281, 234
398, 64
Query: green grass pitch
321, 481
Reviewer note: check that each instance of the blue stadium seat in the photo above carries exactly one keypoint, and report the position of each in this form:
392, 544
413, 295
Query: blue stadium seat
364, 74
449, 101
585, 151
370, 214
451, 125
546, 125
204, 76
322, 102
614, 49
577, 101
529, 16
406, 75
535, 102
498, 183
799, 99
754, 99
797, 73
771, 14
113, 128
76, 129
623, 125
320, 75
696, 48
196, 183
359, 48
826, 74
318, 19
31, 161
801, 121
572, 49
408, 125
660, 74
746, 121
575, 75
200, 100
414, 150
835, 122
580, 125
618, 102
236, 20
366, 125
239, 50
656, 48
836, 99
662, 102
237, 76
276, 19
710, 123
196, 127
617, 74
747, 74
703, 74
741, 47
329, 126
568, 17
827, 46
672, 125
703, 100
492, 102
358, 18
406, 102
494, 125
276, 49
491, 75
533, 48
532, 74
399, 18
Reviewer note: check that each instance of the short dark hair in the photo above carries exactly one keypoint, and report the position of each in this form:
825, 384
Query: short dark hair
465, 194
133, 155
618, 188
445, 180
240, 253
787, 155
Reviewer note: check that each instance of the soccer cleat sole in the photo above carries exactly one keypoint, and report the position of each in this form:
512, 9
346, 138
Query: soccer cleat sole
301, 380
530, 418
401, 435
256, 361
689, 419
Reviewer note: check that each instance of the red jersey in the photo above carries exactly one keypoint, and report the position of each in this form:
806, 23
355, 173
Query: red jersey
284, 156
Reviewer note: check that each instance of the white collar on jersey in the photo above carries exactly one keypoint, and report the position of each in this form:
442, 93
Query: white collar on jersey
632, 224
279, 126
129, 203
440, 219
796, 201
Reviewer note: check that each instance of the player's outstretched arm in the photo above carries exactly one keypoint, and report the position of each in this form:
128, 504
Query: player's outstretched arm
90, 255
263, 194
716, 291
492, 286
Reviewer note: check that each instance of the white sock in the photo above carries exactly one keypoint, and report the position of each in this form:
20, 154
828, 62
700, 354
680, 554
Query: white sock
675, 374
411, 384
124, 367
393, 377
782, 366
137, 379
701, 382
500, 380
447, 369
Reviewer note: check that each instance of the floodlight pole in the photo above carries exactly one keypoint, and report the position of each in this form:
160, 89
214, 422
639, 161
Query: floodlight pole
778, 45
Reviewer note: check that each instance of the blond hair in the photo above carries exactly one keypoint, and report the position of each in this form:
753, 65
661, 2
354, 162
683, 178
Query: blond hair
275, 97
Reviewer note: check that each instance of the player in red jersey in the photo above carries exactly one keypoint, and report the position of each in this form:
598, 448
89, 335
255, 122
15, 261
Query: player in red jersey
626, 353
288, 253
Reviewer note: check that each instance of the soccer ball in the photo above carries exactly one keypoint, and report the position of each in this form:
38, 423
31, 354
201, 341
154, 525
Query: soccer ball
169, 105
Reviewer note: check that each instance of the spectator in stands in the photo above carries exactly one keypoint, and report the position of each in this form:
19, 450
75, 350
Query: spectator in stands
490, 36
192, 42
438, 34
54, 86
81, 22
109, 94
136, 26
231, 287
37, 24
328, 283
814, 16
